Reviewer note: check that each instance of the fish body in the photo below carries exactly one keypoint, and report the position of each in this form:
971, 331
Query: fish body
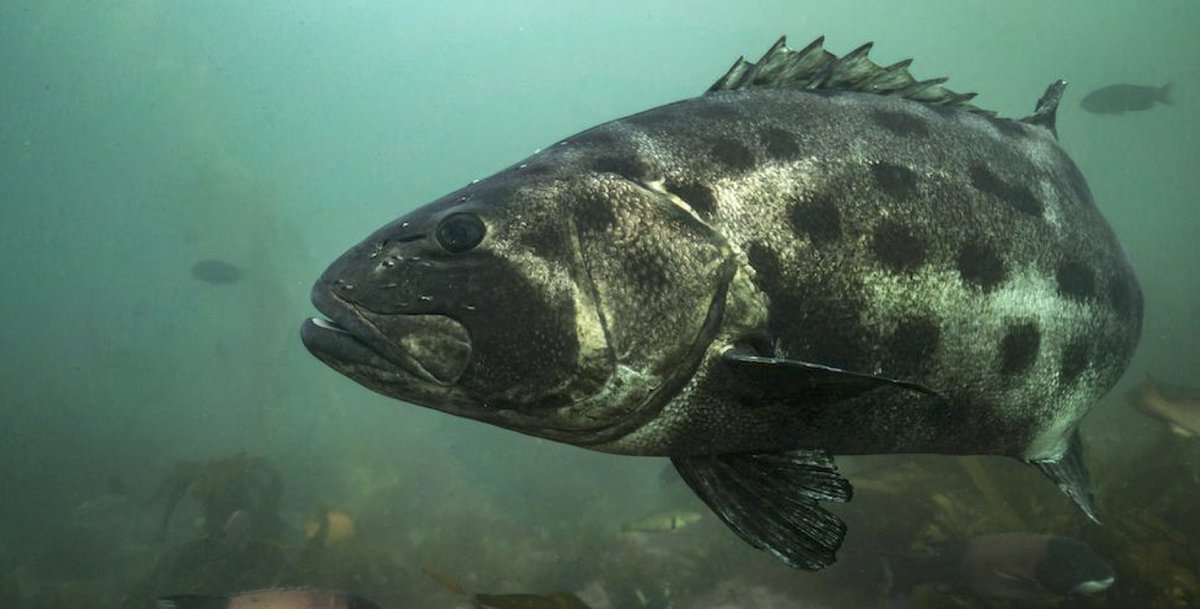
754, 279
293, 598
1118, 99
1006, 565
216, 272
660, 522
1175, 405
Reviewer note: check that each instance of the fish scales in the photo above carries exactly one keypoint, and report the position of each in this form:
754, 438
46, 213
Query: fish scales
892, 237
818, 256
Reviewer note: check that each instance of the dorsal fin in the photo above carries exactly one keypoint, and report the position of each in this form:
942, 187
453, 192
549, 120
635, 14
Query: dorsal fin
1044, 114
815, 68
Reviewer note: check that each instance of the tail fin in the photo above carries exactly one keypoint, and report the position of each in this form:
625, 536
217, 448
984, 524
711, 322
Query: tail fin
1164, 94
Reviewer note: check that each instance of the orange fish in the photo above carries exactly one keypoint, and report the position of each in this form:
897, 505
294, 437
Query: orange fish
339, 527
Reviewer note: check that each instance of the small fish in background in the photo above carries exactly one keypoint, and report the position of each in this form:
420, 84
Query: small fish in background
1003, 565
1176, 405
289, 598
216, 272
553, 600
1118, 99
339, 527
661, 522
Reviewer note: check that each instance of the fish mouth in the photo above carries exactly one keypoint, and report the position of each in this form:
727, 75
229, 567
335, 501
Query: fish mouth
432, 348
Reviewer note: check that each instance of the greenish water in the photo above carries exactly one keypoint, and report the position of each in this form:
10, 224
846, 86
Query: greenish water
139, 137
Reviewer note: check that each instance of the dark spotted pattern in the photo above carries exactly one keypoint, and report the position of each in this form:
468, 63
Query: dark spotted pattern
806, 327
1017, 196
546, 240
1009, 127
1119, 297
645, 268
980, 265
733, 155
497, 360
698, 196
779, 144
592, 138
1074, 360
911, 347
1075, 281
1019, 348
901, 123
715, 111
594, 214
817, 218
1078, 185
624, 166
897, 248
896, 180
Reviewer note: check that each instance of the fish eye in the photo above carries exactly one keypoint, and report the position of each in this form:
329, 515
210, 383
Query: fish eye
460, 232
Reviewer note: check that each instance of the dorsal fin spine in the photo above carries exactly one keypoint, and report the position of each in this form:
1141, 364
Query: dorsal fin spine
1046, 112
815, 68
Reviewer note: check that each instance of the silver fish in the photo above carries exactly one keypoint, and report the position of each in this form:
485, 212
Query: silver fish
817, 256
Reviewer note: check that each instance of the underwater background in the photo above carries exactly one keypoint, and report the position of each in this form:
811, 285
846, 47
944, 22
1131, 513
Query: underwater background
145, 400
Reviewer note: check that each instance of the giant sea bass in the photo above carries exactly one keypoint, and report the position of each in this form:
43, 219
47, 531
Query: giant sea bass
817, 256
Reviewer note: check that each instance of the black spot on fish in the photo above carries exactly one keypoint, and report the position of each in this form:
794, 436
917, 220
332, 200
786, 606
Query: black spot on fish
943, 111
1009, 127
536, 169
733, 155
216, 272
818, 218
898, 181
901, 123
698, 196
911, 347
1019, 348
764, 262
594, 214
592, 138
1075, 281
897, 248
1018, 196
1120, 296
779, 144
1075, 180
716, 111
514, 307
546, 240
624, 166
979, 265
1074, 360
804, 326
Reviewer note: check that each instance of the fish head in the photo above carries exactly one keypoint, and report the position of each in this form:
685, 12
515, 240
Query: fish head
554, 303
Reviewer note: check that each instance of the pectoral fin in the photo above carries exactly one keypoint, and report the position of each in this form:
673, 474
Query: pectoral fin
771, 501
786, 378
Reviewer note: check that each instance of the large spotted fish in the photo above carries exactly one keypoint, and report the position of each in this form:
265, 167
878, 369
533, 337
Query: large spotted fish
817, 256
